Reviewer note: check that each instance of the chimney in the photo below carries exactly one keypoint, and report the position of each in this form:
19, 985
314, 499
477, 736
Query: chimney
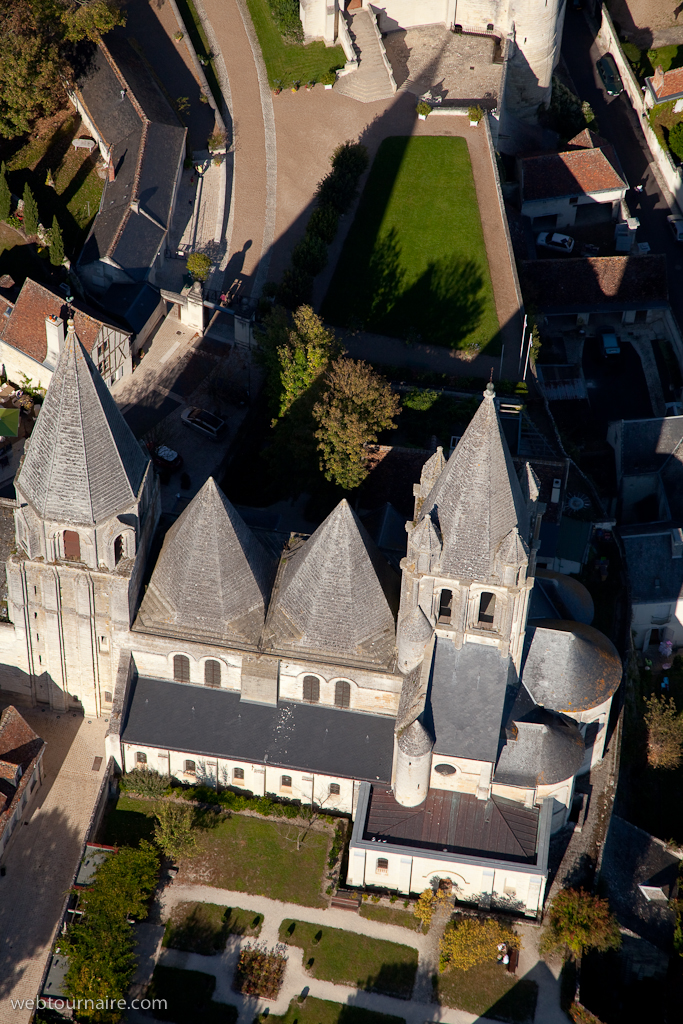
110, 170
658, 79
677, 542
54, 335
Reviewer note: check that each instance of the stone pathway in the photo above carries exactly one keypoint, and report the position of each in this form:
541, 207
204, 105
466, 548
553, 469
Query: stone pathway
417, 1010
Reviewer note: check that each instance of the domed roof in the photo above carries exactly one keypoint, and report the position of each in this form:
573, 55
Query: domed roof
415, 740
573, 598
570, 666
416, 627
543, 748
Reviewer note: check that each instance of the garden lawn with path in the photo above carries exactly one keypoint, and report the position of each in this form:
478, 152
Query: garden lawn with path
414, 263
489, 990
322, 1011
287, 63
204, 927
347, 958
389, 915
187, 995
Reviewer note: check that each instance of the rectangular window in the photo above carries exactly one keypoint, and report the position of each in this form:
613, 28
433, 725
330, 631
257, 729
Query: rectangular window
238, 776
107, 697
190, 768
382, 866
104, 643
141, 758
285, 782
335, 789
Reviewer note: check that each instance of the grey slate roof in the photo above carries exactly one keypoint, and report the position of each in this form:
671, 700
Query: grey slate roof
569, 597
334, 594
212, 577
466, 696
216, 723
82, 464
647, 444
542, 748
570, 666
477, 499
415, 740
655, 576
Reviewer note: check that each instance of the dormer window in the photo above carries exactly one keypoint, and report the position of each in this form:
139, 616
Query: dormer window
487, 610
445, 606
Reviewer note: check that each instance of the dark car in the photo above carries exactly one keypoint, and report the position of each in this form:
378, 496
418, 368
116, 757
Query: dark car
164, 457
203, 422
609, 74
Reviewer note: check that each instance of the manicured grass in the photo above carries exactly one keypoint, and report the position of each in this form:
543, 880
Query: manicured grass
322, 1011
188, 997
387, 915
489, 990
204, 927
196, 33
290, 62
344, 957
414, 263
257, 856
126, 822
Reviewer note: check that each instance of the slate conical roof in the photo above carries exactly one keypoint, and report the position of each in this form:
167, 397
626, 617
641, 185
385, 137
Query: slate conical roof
212, 577
477, 500
82, 464
334, 594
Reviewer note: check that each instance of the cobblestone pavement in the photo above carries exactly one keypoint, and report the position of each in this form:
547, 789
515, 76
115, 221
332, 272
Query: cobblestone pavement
455, 67
42, 858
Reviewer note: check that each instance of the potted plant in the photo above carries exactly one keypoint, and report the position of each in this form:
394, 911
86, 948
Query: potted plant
423, 110
277, 86
295, 86
178, 36
475, 115
329, 78
309, 85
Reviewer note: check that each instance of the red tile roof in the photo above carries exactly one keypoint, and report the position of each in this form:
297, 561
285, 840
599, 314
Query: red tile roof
19, 745
671, 84
602, 279
578, 172
24, 328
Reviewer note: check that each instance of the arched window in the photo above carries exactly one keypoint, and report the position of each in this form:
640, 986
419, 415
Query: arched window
285, 782
487, 610
382, 866
141, 757
72, 546
212, 674
444, 769
238, 775
181, 668
342, 693
445, 606
118, 549
311, 689
190, 768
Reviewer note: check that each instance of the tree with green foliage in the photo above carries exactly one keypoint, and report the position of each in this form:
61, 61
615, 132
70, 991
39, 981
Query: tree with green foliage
175, 832
323, 222
56, 244
5, 194
472, 941
199, 265
664, 732
310, 254
296, 353
675, 140
31, 217
578, 921
356, 406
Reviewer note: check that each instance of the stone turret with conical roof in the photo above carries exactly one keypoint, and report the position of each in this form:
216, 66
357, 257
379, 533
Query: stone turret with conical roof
334, 595
212, 578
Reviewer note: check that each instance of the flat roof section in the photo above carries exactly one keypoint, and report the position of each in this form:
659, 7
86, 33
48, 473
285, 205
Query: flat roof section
93, 857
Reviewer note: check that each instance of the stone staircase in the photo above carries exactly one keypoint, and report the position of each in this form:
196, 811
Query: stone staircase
371, 81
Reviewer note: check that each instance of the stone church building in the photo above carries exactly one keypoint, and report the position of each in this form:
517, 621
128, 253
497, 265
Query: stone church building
449, 711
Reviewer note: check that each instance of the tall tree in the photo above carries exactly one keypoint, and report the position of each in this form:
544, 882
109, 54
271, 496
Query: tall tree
56, 244
31, 218
357, 405
295, 354
5, 195
578, 921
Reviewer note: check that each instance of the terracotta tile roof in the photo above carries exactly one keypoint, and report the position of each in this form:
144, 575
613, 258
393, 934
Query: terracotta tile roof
578, 172
671, 84
19, 745
582, 283
24, 328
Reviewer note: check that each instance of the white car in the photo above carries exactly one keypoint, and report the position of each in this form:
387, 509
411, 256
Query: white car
675, 222
554, 240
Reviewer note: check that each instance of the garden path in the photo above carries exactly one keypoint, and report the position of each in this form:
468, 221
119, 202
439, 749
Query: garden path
417, 1010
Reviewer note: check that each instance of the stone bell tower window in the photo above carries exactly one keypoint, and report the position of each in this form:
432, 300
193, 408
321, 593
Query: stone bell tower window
118, 549
487, 610
72, 546
445, 606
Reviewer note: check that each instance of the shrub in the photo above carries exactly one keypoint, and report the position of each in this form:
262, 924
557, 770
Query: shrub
199, 265
216, 141
424, 109
323, 222
475, 113
350, 158
419, 399
286, 16
56, 244
295, 288
578, 1014
310, 255
425, 906
337, 189
260, 971
329, 78
664, 732
675, 140
175, 832
145, 782
578, 921
30, 211
470, 942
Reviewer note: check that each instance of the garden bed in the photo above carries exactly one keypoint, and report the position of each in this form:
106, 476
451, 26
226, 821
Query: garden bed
489, 990
322, 1011
347, 958
414, 263
291, 62
260, 971
188, 997
204, 927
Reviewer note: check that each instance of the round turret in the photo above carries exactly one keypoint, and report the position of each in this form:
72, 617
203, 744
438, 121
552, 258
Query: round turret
414, 633
413, 765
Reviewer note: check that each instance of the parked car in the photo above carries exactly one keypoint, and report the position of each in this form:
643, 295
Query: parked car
675, 222
555, 240
164, 457
609, 74
609, 343
203, 422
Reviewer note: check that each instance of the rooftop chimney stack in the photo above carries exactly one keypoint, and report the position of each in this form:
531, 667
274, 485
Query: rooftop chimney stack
54, 335
658, 79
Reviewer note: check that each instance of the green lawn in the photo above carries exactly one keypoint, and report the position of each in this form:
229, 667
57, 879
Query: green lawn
489, 989
204, 927
321, 1011
188, 997
290, 62
347, 958
414, 263
389, 915
196, 33
126, 822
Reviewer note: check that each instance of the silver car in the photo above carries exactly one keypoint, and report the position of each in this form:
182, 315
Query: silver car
555, 240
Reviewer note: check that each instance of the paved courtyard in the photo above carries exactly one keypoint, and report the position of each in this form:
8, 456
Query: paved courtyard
458, 68
649, 22
41, 860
